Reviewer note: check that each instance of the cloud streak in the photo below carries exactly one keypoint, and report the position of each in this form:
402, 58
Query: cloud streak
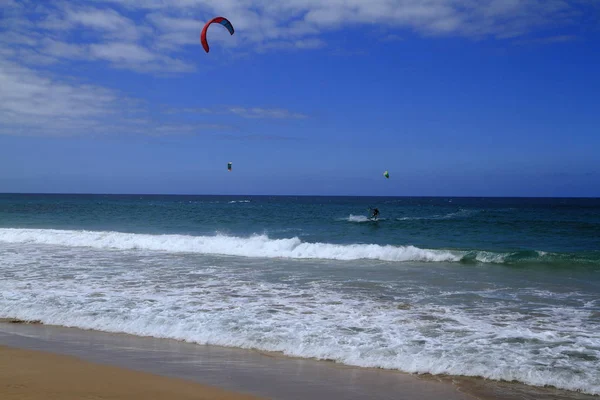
256, 112
34, 103
38, 104
244, 112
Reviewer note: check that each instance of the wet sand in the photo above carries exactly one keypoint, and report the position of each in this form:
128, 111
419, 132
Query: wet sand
267, 375
36, 375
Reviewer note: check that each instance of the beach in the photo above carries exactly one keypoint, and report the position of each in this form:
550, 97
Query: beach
34, 375
50, 358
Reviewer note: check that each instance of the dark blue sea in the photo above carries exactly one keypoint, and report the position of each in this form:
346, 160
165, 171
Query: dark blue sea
502, 288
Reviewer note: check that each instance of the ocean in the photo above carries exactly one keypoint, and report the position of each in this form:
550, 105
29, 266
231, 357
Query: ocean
501, 288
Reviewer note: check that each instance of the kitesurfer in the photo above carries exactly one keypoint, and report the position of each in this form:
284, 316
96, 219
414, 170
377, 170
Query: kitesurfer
375, 213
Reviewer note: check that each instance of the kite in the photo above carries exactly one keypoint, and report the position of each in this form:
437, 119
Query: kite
386, 174
218, 20
229, 166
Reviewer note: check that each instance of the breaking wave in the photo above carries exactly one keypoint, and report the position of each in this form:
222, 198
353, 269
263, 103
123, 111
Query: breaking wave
293, 248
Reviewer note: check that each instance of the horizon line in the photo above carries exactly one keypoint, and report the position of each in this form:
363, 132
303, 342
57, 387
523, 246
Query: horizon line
297, 195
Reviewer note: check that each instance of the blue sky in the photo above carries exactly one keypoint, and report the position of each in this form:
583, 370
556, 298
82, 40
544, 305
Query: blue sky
453, 97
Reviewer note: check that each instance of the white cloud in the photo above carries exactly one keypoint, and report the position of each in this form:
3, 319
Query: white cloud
8, 4
173, 33
170, 24
122, 53
309, 43
26, 93
148, 35
179, 129
392, 38
245, 112
257, 137
151, 36
35, 103
257, 112
67, 32
548, 40
272, 19
59, 49
19, 38
106, 20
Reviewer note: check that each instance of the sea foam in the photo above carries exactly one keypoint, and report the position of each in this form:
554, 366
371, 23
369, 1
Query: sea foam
252, 246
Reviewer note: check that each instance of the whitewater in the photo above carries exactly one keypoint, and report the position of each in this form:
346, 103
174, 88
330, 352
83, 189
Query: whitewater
258, 245
253, 246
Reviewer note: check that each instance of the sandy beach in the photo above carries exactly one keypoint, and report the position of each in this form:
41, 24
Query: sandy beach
50, 362
32, 375
51, 358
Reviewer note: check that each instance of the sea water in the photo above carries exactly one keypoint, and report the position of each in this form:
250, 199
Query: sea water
506, 289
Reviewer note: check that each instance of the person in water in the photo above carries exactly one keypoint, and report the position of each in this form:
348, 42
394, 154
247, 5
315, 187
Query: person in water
375, 213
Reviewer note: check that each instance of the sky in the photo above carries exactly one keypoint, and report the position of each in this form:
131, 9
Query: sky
308, 97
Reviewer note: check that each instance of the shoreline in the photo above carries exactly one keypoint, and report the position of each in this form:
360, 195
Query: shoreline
35, 374
268, 375
200, 362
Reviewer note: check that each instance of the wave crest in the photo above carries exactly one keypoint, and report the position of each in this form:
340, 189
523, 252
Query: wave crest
253, 246
293, 248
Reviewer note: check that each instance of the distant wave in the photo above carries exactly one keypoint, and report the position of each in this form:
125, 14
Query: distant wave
293, 248
523, 257
457, 214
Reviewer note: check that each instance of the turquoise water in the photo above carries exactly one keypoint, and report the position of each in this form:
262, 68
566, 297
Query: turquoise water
566, 226
507, 289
